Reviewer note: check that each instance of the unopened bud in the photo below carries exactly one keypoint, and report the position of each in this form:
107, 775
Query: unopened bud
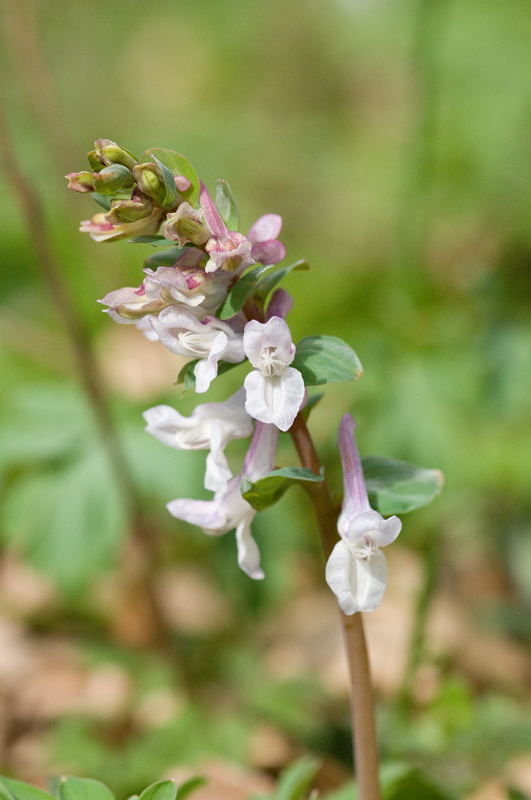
150, 181
129, 210
96, 163
111, 179
81, 181
186, 225
111, 153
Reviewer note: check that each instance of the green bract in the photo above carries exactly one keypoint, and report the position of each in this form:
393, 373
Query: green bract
268, 283
395, 487
154, 241
178, 165
239, 293
326, 359
266, 491
170, 200
186, 375
226, 205
166, 258
162, 790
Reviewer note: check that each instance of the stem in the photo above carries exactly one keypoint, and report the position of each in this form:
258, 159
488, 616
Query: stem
361, 696
140, 569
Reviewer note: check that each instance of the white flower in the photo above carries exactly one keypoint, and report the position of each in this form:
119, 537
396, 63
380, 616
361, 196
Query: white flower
210, 426
228, 509
356, 570
275, 391
208, 339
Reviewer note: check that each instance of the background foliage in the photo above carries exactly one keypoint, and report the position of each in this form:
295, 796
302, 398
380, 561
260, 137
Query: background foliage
393, 137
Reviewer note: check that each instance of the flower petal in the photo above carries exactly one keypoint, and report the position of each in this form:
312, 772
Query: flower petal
277, 399
359, 584
388, 531
266, 227
248, 552
271, 252
260, 458
368, 522
355, 499
217, 473
207, 369
280, 304
274, 333
206, 514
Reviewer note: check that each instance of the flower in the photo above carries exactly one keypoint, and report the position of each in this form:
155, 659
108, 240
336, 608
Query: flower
185, 284
356, 570
275, 391
263, 236
186, 225
208, 339
210, 426
101, 230
228, 250
228, 509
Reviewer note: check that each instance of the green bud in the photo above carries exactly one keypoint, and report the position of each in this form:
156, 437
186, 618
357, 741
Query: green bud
150, 181
96, 163
81, 181
111, 153
129, 210
111, 179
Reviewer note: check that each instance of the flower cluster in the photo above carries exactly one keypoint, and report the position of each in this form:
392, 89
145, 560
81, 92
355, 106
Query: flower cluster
192, 302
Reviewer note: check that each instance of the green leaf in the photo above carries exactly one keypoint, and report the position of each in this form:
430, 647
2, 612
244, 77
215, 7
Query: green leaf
326, 359
310, 405
186, 375
167, 258
189, 786
295, 780
239, 293
67, 523
162, 790
395, 487
412, 785
170, 200
154, 241
226, 205
268, 283
102, 201
83, 789
267, 490
178, 165
516, 794
23, 791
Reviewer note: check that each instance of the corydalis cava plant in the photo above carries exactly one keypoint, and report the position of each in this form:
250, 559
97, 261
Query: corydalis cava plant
212, 295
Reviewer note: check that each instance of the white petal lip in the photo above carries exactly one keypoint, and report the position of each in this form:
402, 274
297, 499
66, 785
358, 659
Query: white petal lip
359, 584
248, 552
273, 333
206, 514
288, 394
207, 369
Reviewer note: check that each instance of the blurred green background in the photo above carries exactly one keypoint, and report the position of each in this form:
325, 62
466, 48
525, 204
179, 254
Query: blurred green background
393, 136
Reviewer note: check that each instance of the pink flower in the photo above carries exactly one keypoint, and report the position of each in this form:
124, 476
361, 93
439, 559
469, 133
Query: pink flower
263, 236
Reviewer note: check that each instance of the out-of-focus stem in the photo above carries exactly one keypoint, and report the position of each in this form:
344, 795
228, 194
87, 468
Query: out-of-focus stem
140, 566
361, 695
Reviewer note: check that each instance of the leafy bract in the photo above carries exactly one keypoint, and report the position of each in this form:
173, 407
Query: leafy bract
154, 241
83, 789
267, 490
178, 165
170, 199
395, 487
326, 359
239, 293
226, 205
268, 283
102, 201
162, 790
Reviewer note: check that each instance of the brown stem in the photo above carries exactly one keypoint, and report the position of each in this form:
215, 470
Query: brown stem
144, 542
361, 696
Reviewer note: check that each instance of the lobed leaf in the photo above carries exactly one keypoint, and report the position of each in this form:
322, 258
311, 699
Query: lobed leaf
396, 487
83, 789
162, 790
326, 359
268, 283
178, 165
226, 205
267, 490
